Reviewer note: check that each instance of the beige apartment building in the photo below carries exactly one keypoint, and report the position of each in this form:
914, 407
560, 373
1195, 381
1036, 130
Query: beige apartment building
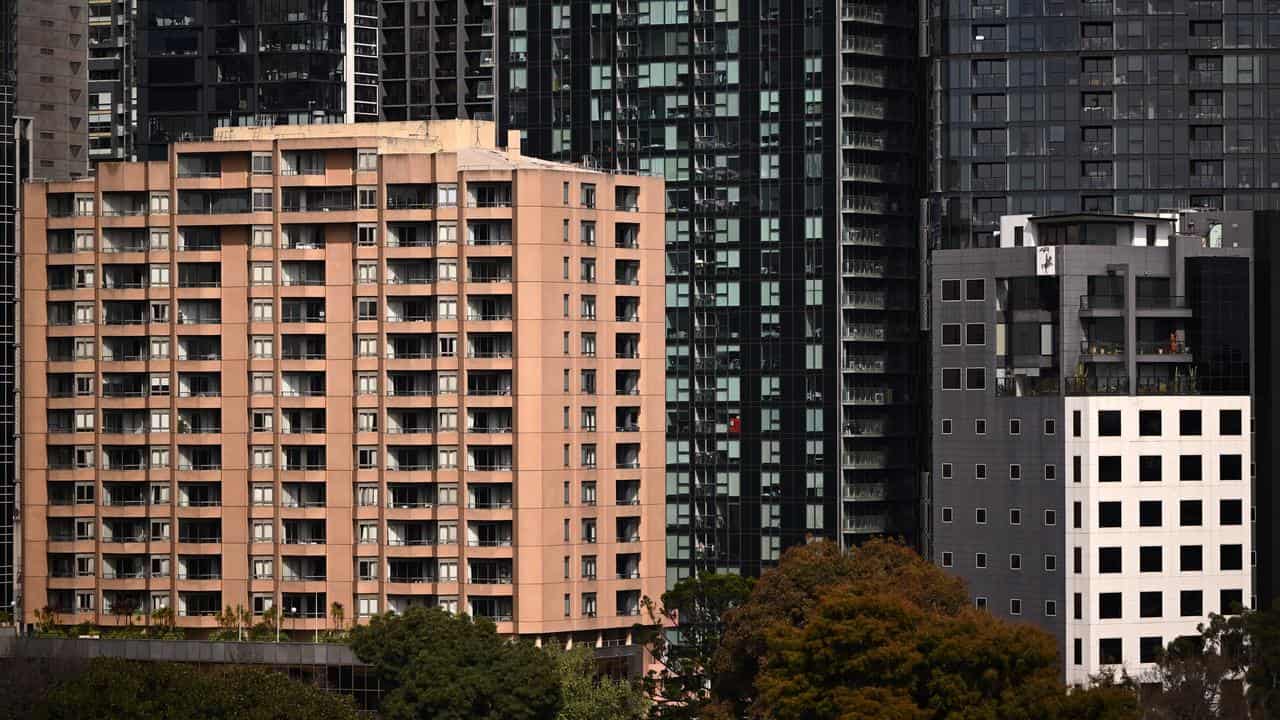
379, 365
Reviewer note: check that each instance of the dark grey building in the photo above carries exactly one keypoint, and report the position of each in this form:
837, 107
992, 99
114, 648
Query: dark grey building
1099, 106
11, 170
52, 82
785, 131
113, 96
1091, 415
438, 59
202, 64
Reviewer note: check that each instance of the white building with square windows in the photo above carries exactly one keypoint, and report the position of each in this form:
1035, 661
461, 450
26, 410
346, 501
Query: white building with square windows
1092, 464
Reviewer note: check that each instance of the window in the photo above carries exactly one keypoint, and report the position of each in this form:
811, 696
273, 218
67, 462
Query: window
1050, 426
1190, 558
950, 291
980, 560
975, 378
975, 290
951, 378
1109, 423
1110, 651
1150, 604
1230, 512
1230, 467
1231, 602
980, 471
1015, 426
366, 160
1015, 561
1109, 468
366, 309
262, 236
1075, 423
1150, 648
1015, 606
1015, 472
1190, 513
950, 334
1051, 608
975, 334
262, 201
1150, 513
1109, 560
947, 514
948, 559
1190, 603
1149, 423
1050, 472
1109, 514
1109, 605
948, 471
263, 383
1229, 422
1050, 518
366, 198
1189, 468
1149, 468
946, 426
1151, 559
1230, 557
262, 163
1050, 563
980, 516
1189, 422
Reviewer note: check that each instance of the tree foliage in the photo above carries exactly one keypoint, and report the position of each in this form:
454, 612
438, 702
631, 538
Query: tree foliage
1231, 669
683, 636
586, 696
450, 667
879, 633
113, 689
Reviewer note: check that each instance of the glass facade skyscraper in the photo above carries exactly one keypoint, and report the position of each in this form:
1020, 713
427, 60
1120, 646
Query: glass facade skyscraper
783, 130
202, 65
1099, 106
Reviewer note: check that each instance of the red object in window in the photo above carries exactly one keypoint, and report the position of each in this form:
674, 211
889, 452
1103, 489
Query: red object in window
735, 424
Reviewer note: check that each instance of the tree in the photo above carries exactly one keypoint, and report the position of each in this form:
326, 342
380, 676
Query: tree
114, 689
588, 696
789, 591
881, 633
450, 667
683, 635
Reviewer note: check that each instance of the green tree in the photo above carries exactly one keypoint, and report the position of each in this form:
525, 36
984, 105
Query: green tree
589, 696
113, 689
683, 635
450, 667
879, 633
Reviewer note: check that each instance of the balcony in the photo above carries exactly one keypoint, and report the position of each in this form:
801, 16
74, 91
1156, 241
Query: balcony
1089, 385
866, 524
1028, 386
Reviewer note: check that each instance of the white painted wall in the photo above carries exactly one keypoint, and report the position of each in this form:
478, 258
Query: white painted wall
1130, 537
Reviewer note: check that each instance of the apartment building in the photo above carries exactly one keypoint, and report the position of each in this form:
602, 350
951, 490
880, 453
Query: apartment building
204, 65
438, 59
786, 133
1112, 106
381, 365
113, 91
1092, 467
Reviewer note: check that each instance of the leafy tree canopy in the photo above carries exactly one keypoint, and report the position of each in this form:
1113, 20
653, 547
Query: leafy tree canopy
436, 665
